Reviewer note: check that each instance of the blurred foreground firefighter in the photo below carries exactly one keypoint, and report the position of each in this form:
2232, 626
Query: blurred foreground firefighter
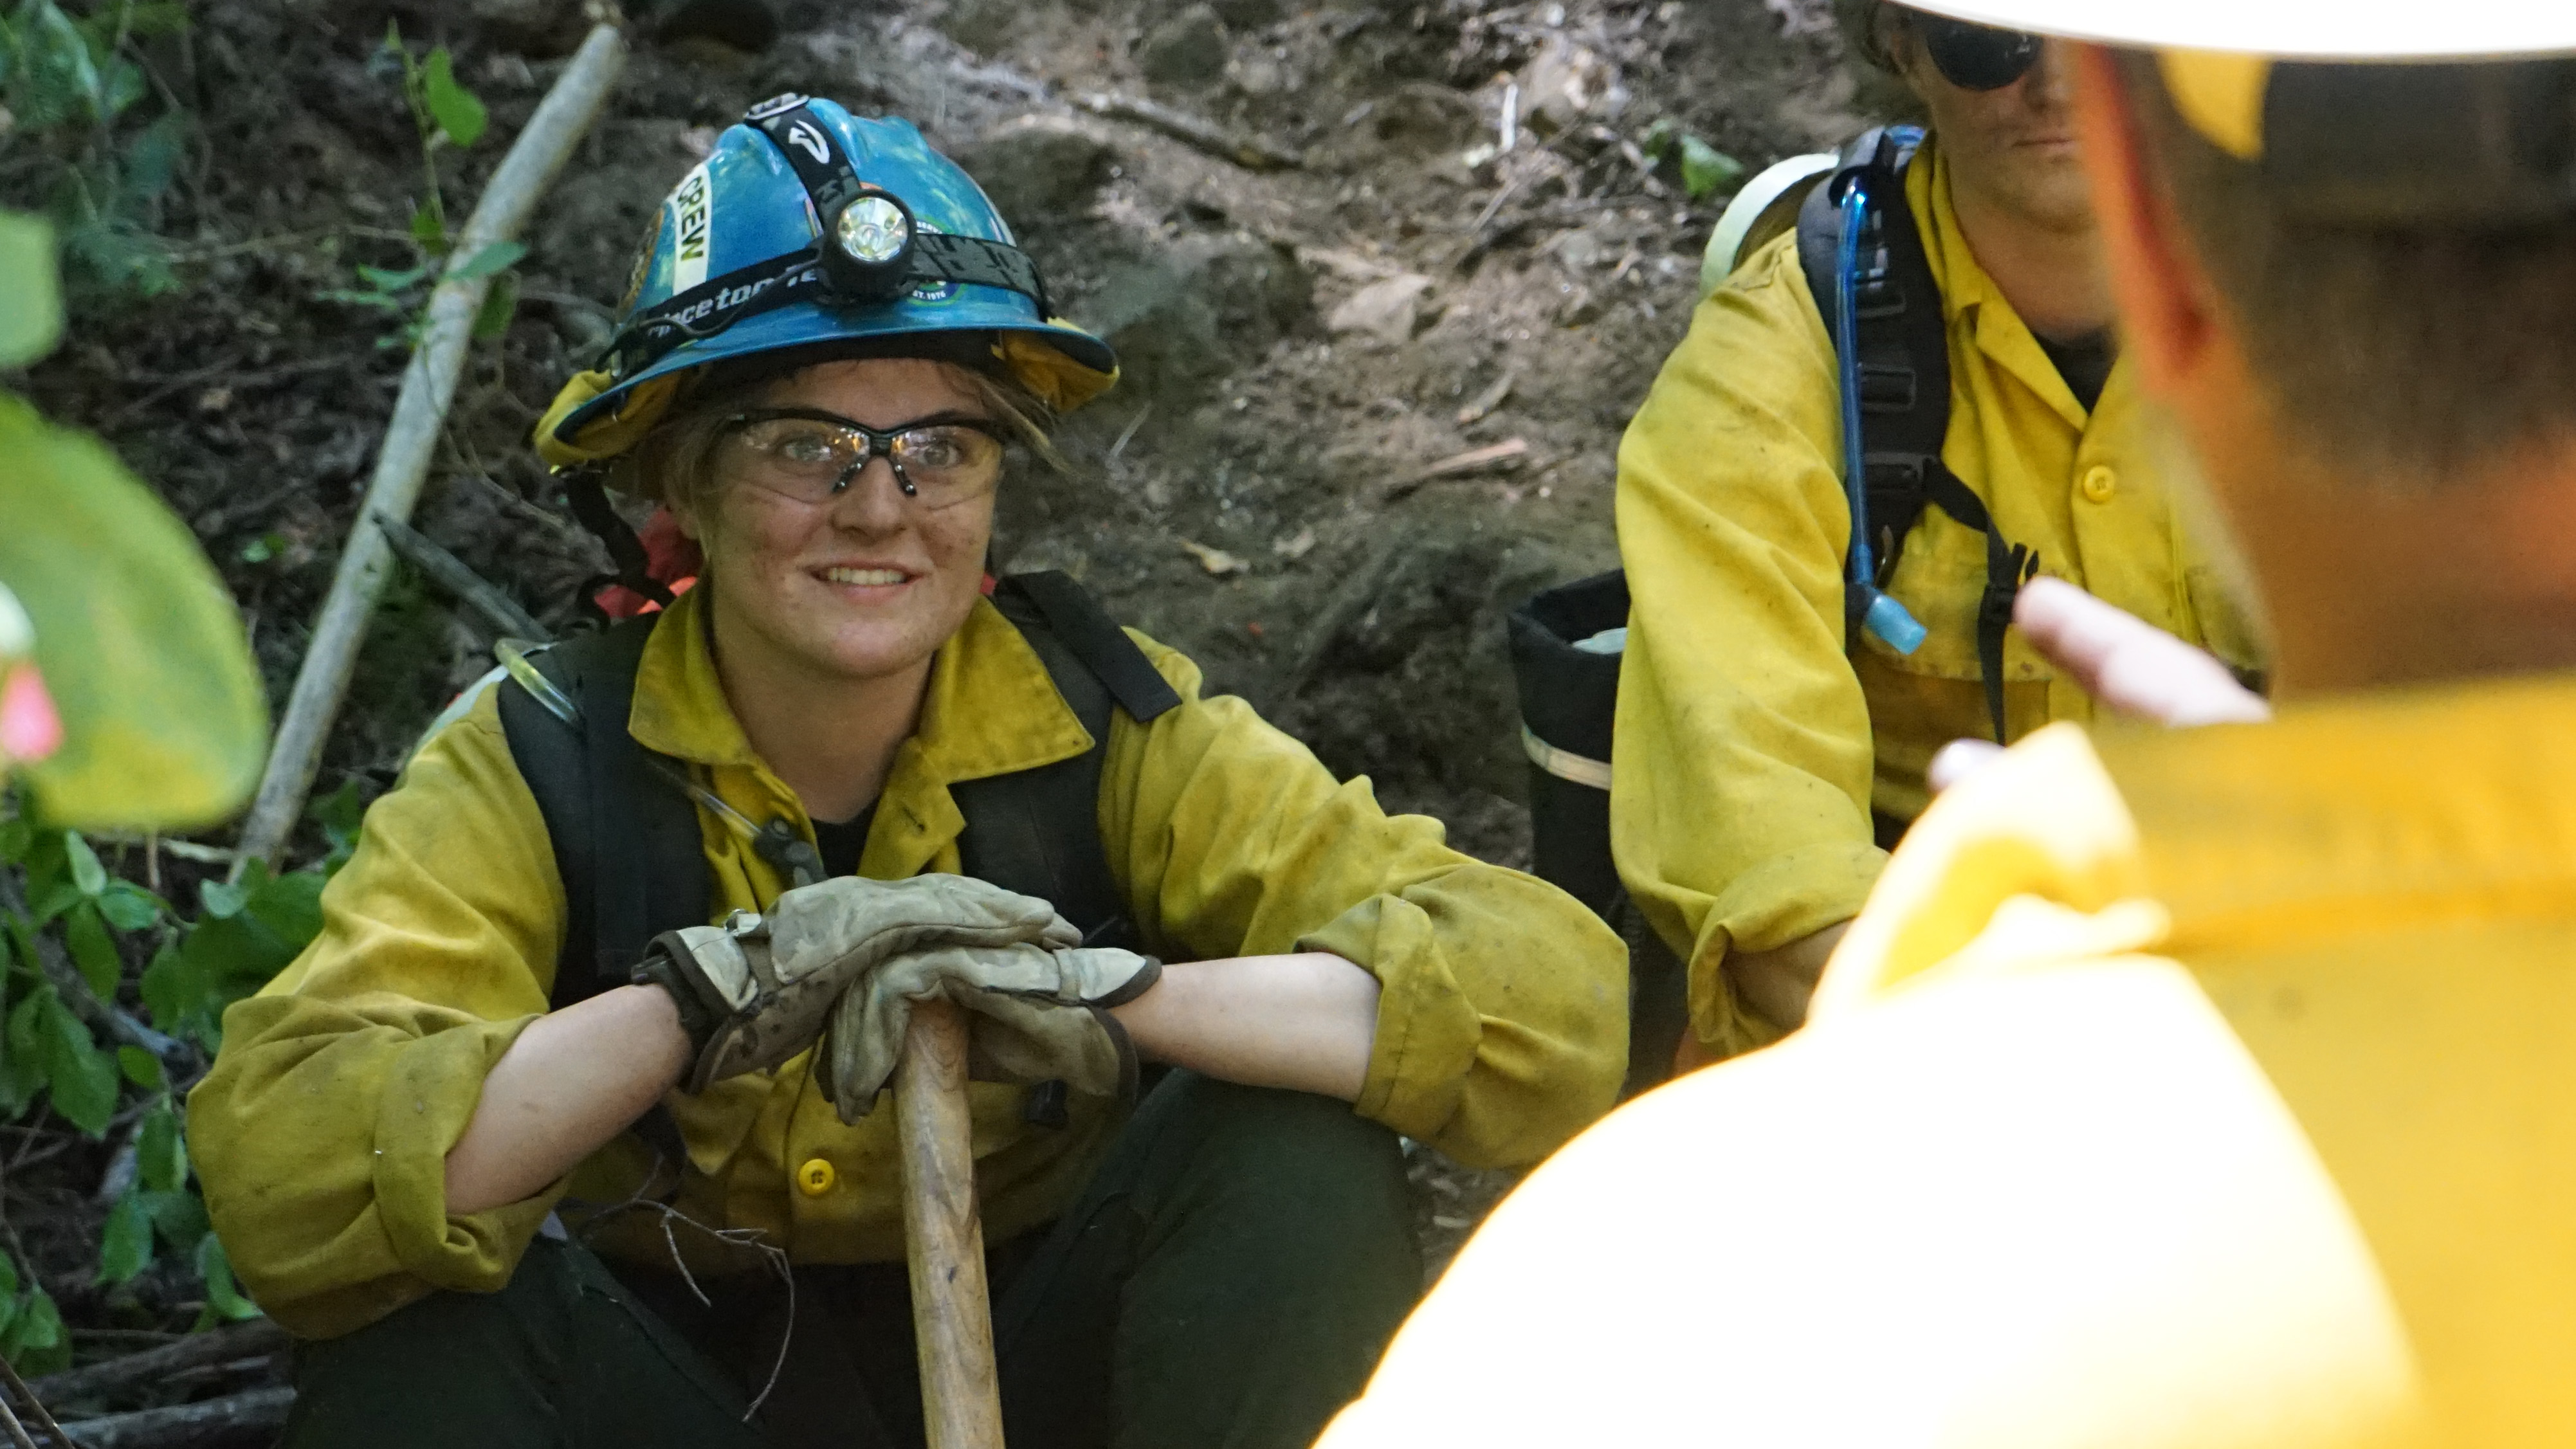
883, 778
2202, 1087
1825, 518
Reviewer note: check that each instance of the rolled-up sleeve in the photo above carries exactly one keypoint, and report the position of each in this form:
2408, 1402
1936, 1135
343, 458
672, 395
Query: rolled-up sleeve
321, 1135
1502, 1009
1742, 762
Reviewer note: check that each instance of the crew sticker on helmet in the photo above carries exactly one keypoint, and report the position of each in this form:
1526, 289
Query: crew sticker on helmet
938, 291
693, 209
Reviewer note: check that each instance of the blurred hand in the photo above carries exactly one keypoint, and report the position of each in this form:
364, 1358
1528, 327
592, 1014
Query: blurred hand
2120, 659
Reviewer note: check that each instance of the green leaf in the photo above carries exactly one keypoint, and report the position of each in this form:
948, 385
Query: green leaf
8, 1277
94, 950
290, 906
1706, 170
160, 1154
1659, 139
141, 1068
27, 1023
458, 111
125, 1246
87, 873
35, 1342
129, 907
217, 1269
140, 643
222, 899
428, 226
386, 281
31, 297
83, 1078
180, 1218
485, 262
15, 836
174, 991
500, 304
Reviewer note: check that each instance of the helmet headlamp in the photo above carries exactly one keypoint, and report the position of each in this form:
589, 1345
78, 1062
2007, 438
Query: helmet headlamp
871, 248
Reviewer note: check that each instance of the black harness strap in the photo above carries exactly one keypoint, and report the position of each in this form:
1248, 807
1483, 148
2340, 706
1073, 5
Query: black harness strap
1904, 358
589, 500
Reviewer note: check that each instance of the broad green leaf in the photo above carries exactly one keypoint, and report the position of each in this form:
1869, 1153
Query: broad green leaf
160, 1155
31, 299
458, 111
139, 642
87, 873
1706, 170
15, 836
141, 1068
217, 1269
222, 899
500, 304
27, 1023
125, 1246
428, 227
35, 1342
291, 906
384, 280
486, 261
53, 900
174, 990
93, 950
129, 907
8, 1276
83, 1078
180, 1218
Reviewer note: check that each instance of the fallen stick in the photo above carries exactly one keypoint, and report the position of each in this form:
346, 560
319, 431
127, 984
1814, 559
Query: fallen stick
411, 439
1250, 153
183, 1425
35, 1407
952, 1311
136, 1370
1475, 460
470, 588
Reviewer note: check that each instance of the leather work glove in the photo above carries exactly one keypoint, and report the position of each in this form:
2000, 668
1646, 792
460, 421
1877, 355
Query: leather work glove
758, 989
1039, 1014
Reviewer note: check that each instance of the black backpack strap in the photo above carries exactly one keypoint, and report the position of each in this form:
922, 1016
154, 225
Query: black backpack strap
1038, 831
1904, 359
626, 843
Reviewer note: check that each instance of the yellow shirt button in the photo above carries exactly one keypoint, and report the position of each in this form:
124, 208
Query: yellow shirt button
815, 1178
2099, 484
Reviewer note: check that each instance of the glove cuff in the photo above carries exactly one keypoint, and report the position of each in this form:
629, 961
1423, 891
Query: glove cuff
1133, 987
668, 963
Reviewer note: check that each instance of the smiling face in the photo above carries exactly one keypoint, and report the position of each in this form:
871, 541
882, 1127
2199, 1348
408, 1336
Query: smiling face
859, 585
2013, 148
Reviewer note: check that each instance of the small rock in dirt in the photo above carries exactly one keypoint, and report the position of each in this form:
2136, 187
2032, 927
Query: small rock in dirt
1038, 167
1566, 84
1216, 561
1384, 310
1246, 14
1189, 50
1293, 549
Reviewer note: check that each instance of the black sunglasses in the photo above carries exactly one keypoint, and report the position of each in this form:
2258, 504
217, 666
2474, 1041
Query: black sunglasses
1976, 57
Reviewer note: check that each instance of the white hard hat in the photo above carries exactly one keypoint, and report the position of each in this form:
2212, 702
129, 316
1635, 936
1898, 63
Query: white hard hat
2328, 30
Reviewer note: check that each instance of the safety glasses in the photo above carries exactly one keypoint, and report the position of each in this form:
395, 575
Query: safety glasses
811, 456
1976, 57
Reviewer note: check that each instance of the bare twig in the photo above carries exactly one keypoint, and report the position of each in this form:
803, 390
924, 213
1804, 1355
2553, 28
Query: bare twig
1505, 454
251, 1411
35, 1406
1250, 153
411, 439
254, 1338
470, 588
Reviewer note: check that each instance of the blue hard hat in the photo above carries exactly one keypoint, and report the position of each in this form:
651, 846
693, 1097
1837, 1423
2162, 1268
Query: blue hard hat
808, 226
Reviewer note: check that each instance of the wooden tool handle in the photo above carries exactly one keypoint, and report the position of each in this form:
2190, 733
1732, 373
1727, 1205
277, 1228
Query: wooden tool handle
952, 1311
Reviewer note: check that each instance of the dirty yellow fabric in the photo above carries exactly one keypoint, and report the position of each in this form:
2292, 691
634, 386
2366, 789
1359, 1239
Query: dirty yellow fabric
322, 1131
1751, 748
2208, 1090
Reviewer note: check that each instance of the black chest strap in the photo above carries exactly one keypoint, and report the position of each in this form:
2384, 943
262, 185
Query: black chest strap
1904, 364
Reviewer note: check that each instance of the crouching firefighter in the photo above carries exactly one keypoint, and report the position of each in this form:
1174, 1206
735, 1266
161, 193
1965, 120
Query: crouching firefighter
1880, 426
567, 1128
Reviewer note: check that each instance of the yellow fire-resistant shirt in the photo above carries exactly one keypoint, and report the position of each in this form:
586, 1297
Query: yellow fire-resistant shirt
322, 1132
1751, 747
2211, 1093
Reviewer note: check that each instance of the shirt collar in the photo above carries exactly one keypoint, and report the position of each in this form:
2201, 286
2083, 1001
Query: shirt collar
991, 708
2368, 807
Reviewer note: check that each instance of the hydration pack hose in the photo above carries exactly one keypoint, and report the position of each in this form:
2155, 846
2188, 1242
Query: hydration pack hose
1879, 613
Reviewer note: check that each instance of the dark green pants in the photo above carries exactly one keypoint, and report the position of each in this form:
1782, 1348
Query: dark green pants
1228, 1279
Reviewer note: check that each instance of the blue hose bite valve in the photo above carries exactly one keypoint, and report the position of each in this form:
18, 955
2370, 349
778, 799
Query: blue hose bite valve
1879, 613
